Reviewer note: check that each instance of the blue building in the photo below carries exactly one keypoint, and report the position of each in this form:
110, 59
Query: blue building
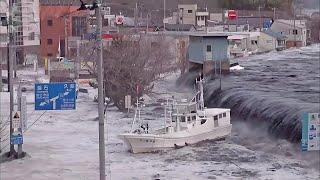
209, 50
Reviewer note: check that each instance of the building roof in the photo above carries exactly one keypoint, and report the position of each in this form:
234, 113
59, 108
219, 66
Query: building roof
274, 34
297, 24
179, 27
254, 22
210, 34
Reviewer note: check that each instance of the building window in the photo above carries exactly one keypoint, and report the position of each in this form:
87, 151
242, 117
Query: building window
202, 18
220, 116
190, 11
215, 119
50, 22
49, 41
79, 26
49, 54
31, 36
224, 114
209, 48
295, 31
254, 42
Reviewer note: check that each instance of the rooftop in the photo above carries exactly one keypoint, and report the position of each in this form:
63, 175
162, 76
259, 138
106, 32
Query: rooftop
297, 23
210, 34
275, 34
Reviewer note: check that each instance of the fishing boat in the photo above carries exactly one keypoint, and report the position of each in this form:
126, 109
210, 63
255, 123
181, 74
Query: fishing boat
185, 122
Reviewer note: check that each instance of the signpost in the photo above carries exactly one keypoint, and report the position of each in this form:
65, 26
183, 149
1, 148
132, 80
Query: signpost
127, 101
16, 120
55, 96
310, 132
24, 112
16, 137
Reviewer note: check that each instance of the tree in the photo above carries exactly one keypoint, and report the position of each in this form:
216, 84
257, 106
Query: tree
131, 65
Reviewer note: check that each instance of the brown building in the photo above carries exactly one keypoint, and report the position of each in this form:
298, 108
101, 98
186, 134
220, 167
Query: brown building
58, 23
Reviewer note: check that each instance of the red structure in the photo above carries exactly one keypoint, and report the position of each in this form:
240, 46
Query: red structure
56, 24
232, 15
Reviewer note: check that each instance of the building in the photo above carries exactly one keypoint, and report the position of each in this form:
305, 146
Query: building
270, 40
189, 14
246, 43
26, 29
296, 31
210, 51
202, 18
58, 24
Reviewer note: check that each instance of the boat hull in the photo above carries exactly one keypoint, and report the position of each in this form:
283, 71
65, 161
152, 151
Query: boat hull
143, 143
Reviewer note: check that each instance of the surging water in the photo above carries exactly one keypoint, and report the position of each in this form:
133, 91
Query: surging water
275, 89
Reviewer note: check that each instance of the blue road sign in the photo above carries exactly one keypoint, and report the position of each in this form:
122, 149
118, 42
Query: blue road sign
16, 139
55, 96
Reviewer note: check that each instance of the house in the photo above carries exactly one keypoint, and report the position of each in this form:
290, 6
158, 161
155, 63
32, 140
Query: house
238, 45
209, 51
296, 31
245, 43
270, 40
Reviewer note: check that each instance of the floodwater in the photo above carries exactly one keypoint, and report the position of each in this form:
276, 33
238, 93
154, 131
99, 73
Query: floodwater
275, 89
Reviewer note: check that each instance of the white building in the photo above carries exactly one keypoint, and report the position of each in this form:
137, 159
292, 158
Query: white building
26, 28
246, 43
201, 18
188, 14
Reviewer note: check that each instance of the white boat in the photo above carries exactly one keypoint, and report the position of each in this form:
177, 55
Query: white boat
184, 123
236, 67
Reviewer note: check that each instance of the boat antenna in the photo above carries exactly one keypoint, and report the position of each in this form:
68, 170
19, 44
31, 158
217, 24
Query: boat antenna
220, 75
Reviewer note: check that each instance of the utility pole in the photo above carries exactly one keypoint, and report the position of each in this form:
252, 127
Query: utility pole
11, 54
19, 95
294, 26
100, 93
147, 23
260, 22
78, 62
8, 51
135, 16
274, 13
164, 14
65, 37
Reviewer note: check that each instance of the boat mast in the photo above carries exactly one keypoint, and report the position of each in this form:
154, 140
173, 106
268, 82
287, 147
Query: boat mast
201, 99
